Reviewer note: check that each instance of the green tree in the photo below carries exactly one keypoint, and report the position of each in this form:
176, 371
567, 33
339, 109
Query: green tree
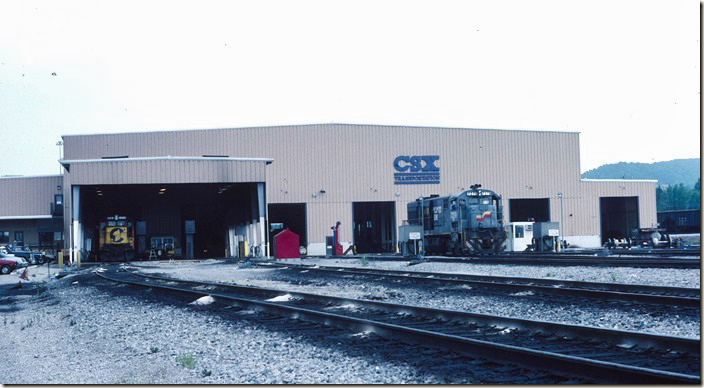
676, 197
695, 201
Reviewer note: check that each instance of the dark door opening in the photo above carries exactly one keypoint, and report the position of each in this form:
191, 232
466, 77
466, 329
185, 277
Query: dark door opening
374, 227
529, 209
292, 216
619, 216
164, 209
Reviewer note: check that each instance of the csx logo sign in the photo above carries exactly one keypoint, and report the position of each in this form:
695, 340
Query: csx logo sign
416, 170
416, 163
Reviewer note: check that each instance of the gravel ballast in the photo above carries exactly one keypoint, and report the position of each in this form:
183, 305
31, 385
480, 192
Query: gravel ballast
79, 335
73, 331
518, 306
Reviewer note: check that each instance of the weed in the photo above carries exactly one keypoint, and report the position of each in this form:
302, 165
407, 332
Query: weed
4, 321
72, 323
153, 349
613, 278
549, 275
186, 361
206, 373
364, 261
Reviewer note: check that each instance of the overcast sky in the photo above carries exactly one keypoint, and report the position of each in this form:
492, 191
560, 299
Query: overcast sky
623, 73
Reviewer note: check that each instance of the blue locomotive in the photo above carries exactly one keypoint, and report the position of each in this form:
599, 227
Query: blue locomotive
470, 222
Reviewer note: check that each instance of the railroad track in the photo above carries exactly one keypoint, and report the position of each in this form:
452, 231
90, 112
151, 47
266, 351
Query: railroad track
599, 355
535, 259
670, 296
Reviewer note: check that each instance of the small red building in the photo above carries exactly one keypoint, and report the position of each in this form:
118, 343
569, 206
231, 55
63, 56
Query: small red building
286, 245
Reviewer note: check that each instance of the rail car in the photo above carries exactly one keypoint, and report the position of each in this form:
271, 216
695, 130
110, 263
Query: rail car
470, 222
116, 239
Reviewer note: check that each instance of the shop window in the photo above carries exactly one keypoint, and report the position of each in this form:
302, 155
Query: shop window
4, 237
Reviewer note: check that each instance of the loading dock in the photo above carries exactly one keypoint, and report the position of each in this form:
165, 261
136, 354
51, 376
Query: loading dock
529, 209
374, 227
619, 216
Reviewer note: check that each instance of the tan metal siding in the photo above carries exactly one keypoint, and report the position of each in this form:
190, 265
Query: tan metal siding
322, 216
354, 163
588, 203
28, 196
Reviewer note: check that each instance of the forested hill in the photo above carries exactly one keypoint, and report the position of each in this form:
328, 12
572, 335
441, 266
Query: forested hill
685, 171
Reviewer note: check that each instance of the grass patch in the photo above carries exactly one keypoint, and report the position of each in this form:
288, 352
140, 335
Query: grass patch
364, 261
186, 361
153, 349
205, 373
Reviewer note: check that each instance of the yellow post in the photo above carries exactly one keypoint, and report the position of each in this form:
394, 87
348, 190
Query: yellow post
78, 259
61, 259
246, 249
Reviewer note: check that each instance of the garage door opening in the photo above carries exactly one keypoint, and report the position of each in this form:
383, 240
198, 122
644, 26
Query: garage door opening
292, 216
619, 216
161, 215
529, 209
374, 227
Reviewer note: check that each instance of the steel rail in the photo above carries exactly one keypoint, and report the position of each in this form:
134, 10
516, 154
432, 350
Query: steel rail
569, 365
688, 297
584, 260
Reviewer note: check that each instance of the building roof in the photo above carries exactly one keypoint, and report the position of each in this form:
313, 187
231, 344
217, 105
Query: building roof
321, 124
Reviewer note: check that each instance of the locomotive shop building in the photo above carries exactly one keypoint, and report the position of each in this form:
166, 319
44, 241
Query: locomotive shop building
233, 183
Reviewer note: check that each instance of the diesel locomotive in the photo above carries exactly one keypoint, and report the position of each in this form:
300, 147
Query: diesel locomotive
116, 239
470, 222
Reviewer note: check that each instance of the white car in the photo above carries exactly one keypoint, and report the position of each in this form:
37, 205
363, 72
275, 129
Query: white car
21, 261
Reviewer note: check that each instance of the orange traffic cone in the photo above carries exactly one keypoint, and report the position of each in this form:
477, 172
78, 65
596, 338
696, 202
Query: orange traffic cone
24, 275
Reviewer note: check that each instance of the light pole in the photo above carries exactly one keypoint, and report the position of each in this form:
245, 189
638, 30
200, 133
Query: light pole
562, 237
59, 144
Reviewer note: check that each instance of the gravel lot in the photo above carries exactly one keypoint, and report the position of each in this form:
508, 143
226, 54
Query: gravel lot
517, 306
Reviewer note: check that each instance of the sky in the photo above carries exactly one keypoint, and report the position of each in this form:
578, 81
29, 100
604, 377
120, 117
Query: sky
625, 74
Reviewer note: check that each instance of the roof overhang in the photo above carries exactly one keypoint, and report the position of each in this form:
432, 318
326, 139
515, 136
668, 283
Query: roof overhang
166, 169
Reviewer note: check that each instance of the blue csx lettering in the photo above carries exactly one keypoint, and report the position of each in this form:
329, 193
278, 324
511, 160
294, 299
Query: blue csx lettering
416, 163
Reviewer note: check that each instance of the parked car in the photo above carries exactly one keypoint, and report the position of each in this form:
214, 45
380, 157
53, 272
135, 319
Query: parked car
32, 257
7, 266
19, 261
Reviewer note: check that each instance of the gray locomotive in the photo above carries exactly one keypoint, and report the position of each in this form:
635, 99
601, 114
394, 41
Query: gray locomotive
470, 222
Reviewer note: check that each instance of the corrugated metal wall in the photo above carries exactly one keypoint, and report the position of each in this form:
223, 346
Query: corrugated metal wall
354, 163
28, 196
588, 204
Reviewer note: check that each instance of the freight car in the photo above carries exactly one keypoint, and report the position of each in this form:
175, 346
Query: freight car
680, 221
470, 222
116, 239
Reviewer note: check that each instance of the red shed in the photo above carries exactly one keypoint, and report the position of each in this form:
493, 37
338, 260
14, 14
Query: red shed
286, 245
